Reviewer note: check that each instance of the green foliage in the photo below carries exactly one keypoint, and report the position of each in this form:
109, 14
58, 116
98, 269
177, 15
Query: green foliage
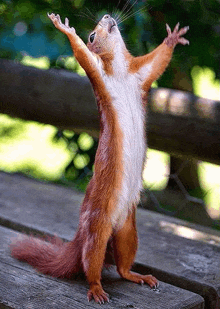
83, 149
26, 29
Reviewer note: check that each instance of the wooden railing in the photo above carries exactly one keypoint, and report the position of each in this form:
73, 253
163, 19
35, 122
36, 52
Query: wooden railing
177, 122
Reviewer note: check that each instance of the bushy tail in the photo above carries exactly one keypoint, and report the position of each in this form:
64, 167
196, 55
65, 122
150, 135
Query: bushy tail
55, 258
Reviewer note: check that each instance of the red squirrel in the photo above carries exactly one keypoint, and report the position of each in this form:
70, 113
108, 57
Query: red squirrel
107, 223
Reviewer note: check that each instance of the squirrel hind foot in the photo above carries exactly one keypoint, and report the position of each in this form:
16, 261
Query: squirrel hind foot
97, 293
140, 279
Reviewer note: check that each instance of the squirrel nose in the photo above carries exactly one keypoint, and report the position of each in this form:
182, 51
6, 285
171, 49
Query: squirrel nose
107, 16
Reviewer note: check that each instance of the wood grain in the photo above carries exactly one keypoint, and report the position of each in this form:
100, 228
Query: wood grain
178, 122
22, 287
191, 264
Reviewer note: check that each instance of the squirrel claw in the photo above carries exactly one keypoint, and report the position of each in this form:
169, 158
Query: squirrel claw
183, 41
174, 37
98, 294
168, 29
59, 25
176, 28
67, 22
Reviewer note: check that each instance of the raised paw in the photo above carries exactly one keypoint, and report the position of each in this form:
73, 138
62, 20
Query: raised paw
175, 36
98, 294
65, 28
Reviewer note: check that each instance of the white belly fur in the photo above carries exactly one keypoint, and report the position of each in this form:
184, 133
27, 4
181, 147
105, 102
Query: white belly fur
126, 98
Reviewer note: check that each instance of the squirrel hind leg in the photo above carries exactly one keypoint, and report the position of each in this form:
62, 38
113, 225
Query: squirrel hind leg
125, 247
109, 254
93, 256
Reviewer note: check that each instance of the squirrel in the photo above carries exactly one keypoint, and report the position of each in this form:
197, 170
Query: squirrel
107, 224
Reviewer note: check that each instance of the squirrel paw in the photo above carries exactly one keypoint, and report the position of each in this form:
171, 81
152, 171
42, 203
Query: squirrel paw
140, 279
99, 295
59, 25
150, 280
175, 36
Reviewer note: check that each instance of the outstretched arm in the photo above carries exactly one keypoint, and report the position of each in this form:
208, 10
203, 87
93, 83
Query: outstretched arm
152, 65
88, 60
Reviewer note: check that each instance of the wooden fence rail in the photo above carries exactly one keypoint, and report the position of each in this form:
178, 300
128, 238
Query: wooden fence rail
178, 122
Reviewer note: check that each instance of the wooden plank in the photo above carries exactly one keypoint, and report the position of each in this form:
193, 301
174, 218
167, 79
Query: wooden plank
37, 206
66, 100
22, 287
190, 264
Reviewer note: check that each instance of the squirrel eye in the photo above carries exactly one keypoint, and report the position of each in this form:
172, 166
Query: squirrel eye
91, 38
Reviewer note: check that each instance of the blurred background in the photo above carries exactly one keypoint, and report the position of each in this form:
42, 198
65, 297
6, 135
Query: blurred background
45, 152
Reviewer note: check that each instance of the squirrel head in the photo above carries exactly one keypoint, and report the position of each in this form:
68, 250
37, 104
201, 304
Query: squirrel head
105, 36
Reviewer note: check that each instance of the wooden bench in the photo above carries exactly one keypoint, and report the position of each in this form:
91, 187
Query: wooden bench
188, 269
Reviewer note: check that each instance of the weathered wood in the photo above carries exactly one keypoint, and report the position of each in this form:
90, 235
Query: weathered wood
56, 97
178, 122
190, 264
22, 287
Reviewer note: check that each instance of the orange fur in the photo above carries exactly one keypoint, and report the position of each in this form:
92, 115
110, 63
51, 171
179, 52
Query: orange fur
99, 237
159, 58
